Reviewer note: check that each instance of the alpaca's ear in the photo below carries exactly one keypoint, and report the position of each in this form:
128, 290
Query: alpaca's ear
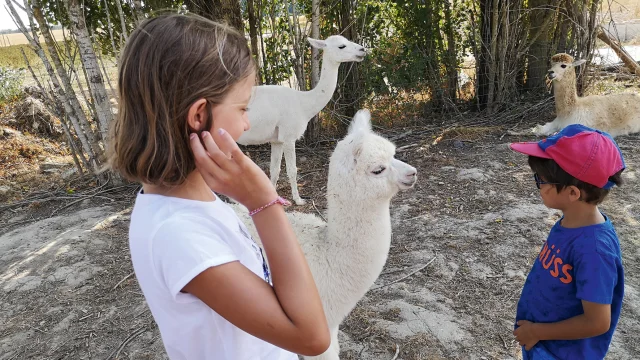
578, 62
318, 44
361, 122
357, 149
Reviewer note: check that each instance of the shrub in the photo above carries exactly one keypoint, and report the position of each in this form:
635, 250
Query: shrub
10, 83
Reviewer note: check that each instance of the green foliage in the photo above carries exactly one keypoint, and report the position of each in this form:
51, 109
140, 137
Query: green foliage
277, 66
10, 83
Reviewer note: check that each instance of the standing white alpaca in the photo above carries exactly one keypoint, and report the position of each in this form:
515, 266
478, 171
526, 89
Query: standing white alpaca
279, 115
347, 253
617, 114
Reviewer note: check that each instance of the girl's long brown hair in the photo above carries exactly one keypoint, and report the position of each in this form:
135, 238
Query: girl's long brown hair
168, 63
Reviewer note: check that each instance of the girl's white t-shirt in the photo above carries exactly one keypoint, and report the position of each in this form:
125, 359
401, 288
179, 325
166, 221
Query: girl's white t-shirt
171, 241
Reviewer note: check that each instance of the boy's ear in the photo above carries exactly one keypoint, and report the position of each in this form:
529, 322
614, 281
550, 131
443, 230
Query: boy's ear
197, 115
574, 193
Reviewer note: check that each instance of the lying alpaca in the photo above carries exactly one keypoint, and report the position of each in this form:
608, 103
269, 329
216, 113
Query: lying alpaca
279, 115
617, 114
346, 254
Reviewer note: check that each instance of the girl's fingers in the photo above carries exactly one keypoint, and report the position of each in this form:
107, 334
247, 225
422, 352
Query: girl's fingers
199, 153
227, 145
218, 156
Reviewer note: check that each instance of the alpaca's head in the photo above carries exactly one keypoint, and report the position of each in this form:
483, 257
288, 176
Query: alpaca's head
363, 167
563, 67
339, 49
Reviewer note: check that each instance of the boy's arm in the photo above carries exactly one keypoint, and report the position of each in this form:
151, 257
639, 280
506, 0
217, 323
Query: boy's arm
596, 277
595, 321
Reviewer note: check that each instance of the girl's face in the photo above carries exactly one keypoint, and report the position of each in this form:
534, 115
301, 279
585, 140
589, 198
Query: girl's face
231, 113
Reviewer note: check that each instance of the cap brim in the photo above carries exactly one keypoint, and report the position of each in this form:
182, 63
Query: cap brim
530, 148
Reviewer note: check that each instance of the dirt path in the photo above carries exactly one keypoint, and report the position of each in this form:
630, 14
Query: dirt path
473, 224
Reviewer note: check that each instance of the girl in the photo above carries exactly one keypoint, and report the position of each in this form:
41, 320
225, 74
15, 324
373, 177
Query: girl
183, 80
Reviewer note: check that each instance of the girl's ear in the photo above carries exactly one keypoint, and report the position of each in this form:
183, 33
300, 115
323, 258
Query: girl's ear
197, 115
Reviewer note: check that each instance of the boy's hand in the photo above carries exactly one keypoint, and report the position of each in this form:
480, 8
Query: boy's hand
525, 334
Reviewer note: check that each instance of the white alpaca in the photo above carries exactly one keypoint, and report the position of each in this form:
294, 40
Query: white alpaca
346, 254
617, 114
279, 115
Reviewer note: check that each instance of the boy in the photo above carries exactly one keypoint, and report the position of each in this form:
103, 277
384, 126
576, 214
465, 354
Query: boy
570, 303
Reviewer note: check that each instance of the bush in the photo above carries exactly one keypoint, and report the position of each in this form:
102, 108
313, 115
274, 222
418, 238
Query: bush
10, 83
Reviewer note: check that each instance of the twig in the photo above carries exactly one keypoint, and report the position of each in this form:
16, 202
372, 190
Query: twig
504, 342
319, 213
120, 282
406, 276
403, 148
114, 354
35, 328
397, 352
403, 135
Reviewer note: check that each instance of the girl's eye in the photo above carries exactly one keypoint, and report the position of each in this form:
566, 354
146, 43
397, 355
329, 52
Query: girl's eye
379, 170
563, 66
245, 109
342, 46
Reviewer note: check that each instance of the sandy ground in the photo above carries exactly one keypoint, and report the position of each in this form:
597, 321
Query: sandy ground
473, 224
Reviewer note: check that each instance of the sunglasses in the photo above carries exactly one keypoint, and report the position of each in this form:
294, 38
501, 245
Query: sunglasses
539, 181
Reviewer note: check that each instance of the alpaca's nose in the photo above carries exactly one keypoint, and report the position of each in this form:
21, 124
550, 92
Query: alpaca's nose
362, 49
412, 174
550, 72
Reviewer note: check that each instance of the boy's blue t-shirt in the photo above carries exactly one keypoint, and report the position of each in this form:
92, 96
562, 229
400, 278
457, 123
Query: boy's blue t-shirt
574, 265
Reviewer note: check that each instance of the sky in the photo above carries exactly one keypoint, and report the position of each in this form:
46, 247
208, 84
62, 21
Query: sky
5, 18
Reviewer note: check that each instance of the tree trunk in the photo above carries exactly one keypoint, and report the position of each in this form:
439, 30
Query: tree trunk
78, 112
451, 63
253, 34
137, 10
90, 64
60, 96
540, 44
621, 52
110, 27
298, 63
484, 60
313, 129
349, 90
218, 10
52, 105
122, 24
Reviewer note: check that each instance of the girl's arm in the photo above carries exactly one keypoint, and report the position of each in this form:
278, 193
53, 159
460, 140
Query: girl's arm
289, 315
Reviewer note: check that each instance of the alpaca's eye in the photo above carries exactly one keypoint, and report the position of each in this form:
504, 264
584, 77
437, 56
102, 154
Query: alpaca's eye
563, 66
379, 170
342, 46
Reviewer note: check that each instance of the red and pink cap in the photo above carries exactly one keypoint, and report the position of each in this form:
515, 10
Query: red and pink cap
589, 155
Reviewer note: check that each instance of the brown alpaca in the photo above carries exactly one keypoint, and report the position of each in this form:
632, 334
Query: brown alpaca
616, 114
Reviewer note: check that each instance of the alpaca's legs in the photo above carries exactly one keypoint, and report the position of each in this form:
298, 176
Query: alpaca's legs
292, 171
332, 353
546, 130
276, 160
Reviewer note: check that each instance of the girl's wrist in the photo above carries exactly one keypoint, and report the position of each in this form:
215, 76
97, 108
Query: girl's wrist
277, 201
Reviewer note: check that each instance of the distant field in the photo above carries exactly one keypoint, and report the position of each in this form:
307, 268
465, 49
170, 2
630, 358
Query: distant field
622, 10
19, 39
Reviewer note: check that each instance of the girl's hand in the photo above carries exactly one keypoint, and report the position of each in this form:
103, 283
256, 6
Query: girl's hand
230, 172
525, 334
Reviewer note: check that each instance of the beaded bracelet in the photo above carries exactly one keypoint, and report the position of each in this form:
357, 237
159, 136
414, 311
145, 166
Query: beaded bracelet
280, 200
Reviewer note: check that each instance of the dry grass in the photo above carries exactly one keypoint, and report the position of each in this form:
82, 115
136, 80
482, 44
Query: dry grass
19, 39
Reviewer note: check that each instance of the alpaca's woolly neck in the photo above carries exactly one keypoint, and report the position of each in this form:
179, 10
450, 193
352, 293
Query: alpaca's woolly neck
565, 93
318, 97
357, 241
